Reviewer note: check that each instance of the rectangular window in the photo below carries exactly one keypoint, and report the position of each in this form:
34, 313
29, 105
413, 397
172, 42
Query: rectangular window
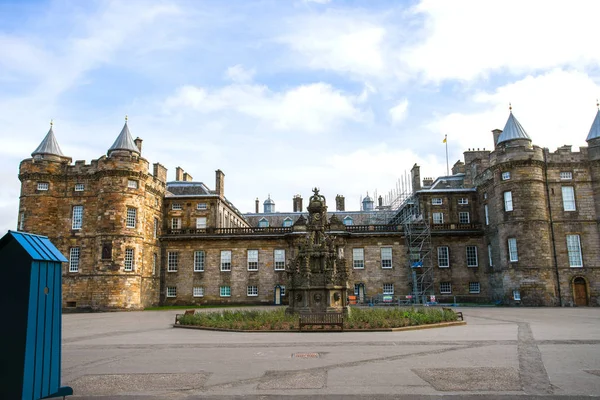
388, 288
356, 289
513, 256
128, 259
505, 176
436, 201
252, 291
386, 257
463, 200
463, 217
74, 259
487, 214
155, 228
77, 221
154, 260
43, 186
131, 217
516, 295
176, 207
201, 206
508, 203
201, 223
358, 258
282, 292
490, 255
472, 256
198, 291
574, 250
172, 261
443, 257
199, 257
225, 291
279, 256
252, 260
225, 260
22, 221
445, 287
438, 218
566, 175
568, 196
176, 223
132, 184
171, 291
79, 187
474, 287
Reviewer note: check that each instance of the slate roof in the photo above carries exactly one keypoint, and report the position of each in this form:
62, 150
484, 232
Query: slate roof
595, 129
48, 146
512, 130
276, 219
124, 141
179, 188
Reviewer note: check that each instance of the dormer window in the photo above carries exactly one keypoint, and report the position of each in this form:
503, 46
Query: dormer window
176, 207
564, 176
43, 186
505, 176
287, 222
348, 220
132, 184
263, 223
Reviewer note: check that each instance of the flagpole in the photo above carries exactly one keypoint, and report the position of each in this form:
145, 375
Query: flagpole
447, 167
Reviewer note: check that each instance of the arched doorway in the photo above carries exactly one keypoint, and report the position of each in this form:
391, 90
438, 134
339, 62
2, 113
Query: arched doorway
277, 295
580, 296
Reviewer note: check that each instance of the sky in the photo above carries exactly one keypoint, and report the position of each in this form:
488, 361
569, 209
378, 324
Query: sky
287, 95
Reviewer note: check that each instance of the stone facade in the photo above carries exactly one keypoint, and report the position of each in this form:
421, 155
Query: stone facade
515, 225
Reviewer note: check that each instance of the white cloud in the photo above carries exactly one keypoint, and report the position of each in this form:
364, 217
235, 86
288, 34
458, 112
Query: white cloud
239, 74
398, 112
467, 39
555, 108
313, 108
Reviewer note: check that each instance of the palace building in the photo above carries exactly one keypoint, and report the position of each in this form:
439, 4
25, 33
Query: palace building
515, 225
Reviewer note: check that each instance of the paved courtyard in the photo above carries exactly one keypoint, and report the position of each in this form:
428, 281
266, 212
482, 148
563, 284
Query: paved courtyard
501, 352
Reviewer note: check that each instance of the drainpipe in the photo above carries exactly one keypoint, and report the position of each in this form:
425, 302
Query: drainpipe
560, 299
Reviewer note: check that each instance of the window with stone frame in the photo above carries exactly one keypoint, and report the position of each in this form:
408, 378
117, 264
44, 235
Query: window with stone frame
131, 217
201, 223
79, 187
513, 255
198, 291
472, 256
77, 221
568, 197
279, 255
487, 214
516, 295
171, 291
436, 201
175, 223
438, 218
490, 255
386, 257
566, 175
74, 259
155, 230
443, 257
172, 261
508, 201
252, 291
43, 186
474, 287
199, 257
252, 260
128, 266
225, 291
445, 287
358, 258
176, 207
132, 184
463, 201
574, 251
388, 288
154, 262
225, 260
464, 217
22, 221
505, 176
201, 206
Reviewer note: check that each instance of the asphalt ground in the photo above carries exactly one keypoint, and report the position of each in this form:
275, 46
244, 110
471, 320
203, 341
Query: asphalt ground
501, 353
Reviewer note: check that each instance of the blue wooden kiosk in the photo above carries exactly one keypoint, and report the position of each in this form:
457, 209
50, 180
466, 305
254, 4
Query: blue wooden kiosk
31, 298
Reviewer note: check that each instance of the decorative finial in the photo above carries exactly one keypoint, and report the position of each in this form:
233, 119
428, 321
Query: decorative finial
51, 123
126, 118
510, 107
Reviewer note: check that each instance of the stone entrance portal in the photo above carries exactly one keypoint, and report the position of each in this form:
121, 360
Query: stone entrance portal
318, 275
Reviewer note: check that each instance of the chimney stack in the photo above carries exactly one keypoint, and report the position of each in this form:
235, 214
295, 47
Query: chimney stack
297, 202
220, 183
415, 174
496, 133
427, 182
257, 203
160, 172
340, 203
178, 174
187, 177
138, 143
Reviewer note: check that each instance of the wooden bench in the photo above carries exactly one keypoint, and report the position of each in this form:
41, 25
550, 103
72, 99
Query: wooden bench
334, 319
187, 312
459, 314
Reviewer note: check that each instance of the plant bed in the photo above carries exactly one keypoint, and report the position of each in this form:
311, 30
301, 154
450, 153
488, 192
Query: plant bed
371, 319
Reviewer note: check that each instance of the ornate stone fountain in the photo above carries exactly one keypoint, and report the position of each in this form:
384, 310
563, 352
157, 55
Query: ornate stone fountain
318, 275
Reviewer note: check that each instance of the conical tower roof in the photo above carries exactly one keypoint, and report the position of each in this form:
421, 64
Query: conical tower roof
49, 145
124, 141
512, 130
595, 129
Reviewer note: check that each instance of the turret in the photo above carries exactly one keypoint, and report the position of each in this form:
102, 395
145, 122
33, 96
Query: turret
593, 137
49, 149
269, 205
367, 203
124, 144
513, 133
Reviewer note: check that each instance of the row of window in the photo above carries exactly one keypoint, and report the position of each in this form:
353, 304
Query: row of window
224, 291
463, 217
264, 223
75, 256
179, 206
445, 288
444, 256
80, 187
358, 258
173, 260
438, 201
564, 175
130, 221
200, 223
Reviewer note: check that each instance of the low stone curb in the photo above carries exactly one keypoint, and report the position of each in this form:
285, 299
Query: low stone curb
404, 328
